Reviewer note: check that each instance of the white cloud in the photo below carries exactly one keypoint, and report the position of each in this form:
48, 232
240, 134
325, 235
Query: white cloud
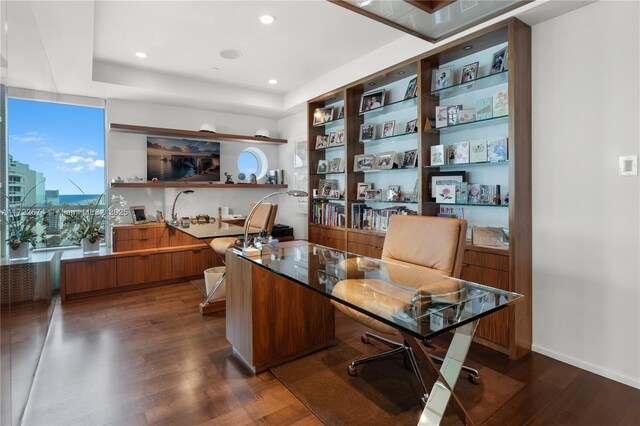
74, 159
78, 168
30, 137
98, 163
89, 152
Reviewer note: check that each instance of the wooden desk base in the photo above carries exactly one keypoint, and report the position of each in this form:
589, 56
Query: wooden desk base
271, 320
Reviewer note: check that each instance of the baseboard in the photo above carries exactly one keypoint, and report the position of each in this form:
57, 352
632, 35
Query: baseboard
630, 381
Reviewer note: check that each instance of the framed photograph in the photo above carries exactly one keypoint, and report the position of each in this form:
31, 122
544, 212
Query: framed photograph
138, 214
437, 155
387, 128
384, 160
325, 186
332, 139
412, 126
334, 165
372, 100
323, 166
322, 115
469, 73
373, 194
339, 112
436, 178
393, 193
499, 61
364, 162
339, 139
409, 159
322, 141
335, 194
442, 78
412, 88
367, 132
446, 193
159, 216
362, 189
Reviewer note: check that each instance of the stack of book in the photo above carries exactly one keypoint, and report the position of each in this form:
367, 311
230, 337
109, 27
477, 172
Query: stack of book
326, 213
364, 217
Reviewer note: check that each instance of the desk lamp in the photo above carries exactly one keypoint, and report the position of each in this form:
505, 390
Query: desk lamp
174, 217
252, 251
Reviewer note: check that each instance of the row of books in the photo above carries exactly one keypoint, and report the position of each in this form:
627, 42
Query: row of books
275, 177
364, 217
485, 108
326, 213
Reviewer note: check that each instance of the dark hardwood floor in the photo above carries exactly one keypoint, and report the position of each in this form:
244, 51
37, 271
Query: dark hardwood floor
148, 357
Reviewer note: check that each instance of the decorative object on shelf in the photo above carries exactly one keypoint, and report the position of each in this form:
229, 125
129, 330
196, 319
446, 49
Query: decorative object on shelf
334, 165
90, 247
411, 126
452, 115
501, 103
409, 159
135, 179
478, 151
339, 139
373, 194
469, 73
262, 133
462, 192
459, 153
325, 186
117, 180
385, 160
138, 214
434, 178
441, 116
322, 141
367, 132
183, 160
174, 216
206, 127
473, 193
466, 116
276, 176
484, 108
489, 194
387, 128
323, 166
154, 180
322, 115
446, 192
393, 193
228, 176
332, 139
372, 100
253, 179
412, 88
159, 216
339, 112
437, 155
335, 194
20, 251
497, 149
487, 236
202, 218
241, 177
364, 162
442, 78
362, 189
499, 61
456, 212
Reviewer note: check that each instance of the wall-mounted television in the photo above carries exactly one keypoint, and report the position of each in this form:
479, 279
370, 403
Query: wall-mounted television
182, 160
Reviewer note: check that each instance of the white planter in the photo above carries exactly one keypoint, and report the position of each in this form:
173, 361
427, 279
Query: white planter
23, 252
90, 248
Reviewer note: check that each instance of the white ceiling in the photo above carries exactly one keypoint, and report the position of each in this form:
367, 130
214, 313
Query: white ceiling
88, 48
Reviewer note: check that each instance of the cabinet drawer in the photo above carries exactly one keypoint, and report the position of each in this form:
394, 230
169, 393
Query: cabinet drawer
145, 268
131, 233
364, 250
138, 244
193, 262
89, 275
487, 260
326, 233
372, 240
336, 243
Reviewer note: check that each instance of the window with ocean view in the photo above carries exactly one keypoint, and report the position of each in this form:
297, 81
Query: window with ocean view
56, 167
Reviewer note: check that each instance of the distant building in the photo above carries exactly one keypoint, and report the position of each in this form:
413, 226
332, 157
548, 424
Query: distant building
52, 196
26, 186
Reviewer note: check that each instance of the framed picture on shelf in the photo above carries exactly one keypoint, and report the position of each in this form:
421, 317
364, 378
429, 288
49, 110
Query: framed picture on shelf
322, 141
387, 128
412, 126
442, 78
325, 186
332, 139
393, 193
499, 61
334, 165
412, 88
384, 160
469, 73
372, 100
339, 112
335, 194
138, 214
367, 132
159, 216
409, 159
362, 189
373, 194
339, 139
364, 162
322, 115
437, 155
323, 166
435, 178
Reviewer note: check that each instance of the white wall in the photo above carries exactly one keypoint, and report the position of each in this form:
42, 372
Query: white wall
586, 254
126, 156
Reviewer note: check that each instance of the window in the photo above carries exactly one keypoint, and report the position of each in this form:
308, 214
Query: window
56, 163
253, 161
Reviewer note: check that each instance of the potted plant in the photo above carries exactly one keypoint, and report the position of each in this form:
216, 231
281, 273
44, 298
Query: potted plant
84, 225
22, 230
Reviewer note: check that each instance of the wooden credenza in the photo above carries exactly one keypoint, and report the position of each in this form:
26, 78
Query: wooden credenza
142, 256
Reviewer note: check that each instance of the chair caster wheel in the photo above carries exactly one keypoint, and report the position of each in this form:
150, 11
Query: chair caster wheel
474, 379
423, 400
365, 339
351, 369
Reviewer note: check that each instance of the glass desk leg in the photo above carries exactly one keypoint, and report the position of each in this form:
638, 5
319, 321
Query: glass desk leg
449, 373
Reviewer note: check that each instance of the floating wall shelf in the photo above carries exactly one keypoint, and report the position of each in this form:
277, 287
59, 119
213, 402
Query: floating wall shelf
192, 185
160, 131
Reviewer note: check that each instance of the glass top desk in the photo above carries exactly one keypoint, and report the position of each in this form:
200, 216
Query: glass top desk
419, 304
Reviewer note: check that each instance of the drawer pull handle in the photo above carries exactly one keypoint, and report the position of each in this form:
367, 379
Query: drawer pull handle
142, 239
196, 251
145, 255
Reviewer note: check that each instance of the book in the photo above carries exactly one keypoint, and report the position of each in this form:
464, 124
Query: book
501, 103
441, 116
478, 151
466, 115
460, 153
437, 155
497, 149
462, 194
446, 211
484, 108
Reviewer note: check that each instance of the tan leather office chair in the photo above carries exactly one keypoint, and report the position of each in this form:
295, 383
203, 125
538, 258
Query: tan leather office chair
263, 218
430, 247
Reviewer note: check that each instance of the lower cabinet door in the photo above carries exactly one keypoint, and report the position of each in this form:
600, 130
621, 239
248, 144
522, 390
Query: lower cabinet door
89, 275
193, 262
144, 268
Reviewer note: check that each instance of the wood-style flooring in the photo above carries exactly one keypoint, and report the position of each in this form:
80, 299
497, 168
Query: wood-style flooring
148, 357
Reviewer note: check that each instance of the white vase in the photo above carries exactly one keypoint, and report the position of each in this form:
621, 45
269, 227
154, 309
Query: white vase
21, 253
90, 248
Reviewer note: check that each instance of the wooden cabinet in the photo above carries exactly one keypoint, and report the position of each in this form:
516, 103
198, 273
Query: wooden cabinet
139, 237
366, 244
193, 262
87, 275
143, 268
327, 237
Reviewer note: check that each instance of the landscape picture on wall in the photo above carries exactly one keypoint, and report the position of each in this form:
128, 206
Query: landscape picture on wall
183, 160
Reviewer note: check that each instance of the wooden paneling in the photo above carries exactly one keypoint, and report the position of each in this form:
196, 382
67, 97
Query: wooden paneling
88, 275
178, 238
239, 321
143, 268
193, 262
327, 237
136, 232
488, 260
138, 244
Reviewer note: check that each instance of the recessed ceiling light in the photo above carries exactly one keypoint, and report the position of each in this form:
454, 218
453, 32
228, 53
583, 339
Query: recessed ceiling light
273, 81
215, 69
365, 3
141, 55
372, 84
231, 54
267, 19
467, 47
401, 72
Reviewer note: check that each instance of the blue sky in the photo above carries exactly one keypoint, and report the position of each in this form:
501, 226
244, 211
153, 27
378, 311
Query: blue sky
62, 141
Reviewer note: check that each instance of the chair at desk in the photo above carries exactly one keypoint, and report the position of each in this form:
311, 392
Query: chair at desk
426, 244
263, 218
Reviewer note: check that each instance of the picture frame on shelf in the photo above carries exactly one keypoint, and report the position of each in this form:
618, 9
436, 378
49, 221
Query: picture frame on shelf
138, 214
332, 139
159, 216
473, 193
484, 108
409, 159
373, 195
372, 100
412, 126
385, 160
323, 166
478, 151
334, 165
339, 113
442, 78
364, 162
499, 61
446, 193
325, 186
469, 73
441, 116
393, 193
335, 194
434, 177
322, 115
387, 128
322, 141
362, 188
466, 116
412, 88
437, 155
452, 115
367, 132
339, 139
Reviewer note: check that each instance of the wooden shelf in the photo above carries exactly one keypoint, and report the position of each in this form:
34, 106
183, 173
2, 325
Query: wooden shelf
160, 131
193, 185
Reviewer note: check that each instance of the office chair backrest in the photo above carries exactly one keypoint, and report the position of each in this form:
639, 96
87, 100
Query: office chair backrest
434, 243
263, 218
